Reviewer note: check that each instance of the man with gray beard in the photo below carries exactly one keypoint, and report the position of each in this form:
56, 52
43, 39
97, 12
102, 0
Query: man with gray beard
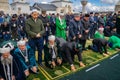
9, 69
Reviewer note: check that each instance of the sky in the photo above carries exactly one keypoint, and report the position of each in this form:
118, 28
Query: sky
92, 5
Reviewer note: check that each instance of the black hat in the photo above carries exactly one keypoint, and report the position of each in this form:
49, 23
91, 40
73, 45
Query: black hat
87, 15
14, 16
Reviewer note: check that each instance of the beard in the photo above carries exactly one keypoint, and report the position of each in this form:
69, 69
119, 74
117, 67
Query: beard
7, 60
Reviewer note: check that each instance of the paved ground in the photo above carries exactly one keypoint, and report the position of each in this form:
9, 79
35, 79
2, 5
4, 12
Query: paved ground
109, 69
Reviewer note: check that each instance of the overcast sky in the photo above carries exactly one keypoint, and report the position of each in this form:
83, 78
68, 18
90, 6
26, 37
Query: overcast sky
93, 5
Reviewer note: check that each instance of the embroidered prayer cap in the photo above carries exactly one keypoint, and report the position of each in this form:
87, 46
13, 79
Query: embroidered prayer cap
21, 42
5, 50
51, 37
34, 10
10, 45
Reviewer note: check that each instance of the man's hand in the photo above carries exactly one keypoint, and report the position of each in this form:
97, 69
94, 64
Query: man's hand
53, 63
86, 31
38, 35
34, 69
48, 24
13, 77
1, 79
59, 61
79, 36
74, 38
26, 72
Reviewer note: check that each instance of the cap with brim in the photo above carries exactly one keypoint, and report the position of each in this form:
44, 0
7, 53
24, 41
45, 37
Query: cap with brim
5, 50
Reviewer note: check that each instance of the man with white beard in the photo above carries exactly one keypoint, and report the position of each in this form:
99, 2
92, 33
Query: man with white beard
9, 69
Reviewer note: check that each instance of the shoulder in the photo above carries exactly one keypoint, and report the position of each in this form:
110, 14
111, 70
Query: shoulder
16, 50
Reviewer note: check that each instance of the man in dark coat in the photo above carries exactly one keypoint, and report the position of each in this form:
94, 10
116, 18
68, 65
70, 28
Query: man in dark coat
68, 51
75, 32
46, 24
100, 45
118, 23
52, 53
85, 30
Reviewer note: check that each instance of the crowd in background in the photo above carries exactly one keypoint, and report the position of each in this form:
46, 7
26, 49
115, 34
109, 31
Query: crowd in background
55, 34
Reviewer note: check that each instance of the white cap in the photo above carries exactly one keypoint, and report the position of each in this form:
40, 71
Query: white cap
61, 14
10, 45
34, 10
21, 42
101, 29
5, 50
51, 37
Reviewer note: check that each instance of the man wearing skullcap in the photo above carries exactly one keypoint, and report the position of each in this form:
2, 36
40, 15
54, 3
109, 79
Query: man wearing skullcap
61, 26
35, 30
52, 53
25, 54
9, 69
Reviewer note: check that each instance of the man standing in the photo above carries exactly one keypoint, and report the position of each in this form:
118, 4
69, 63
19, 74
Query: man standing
86, 27
61, 26
35, 31
75, 32
118, 23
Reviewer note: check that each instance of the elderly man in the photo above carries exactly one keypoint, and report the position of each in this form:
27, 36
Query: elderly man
26, 56
9, 69
52, 54
35, 31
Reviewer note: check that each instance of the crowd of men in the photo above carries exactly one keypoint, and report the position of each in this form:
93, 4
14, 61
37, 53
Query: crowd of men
58, 36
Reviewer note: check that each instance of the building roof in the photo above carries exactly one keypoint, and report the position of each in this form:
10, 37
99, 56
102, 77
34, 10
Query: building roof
62, 1
47, 7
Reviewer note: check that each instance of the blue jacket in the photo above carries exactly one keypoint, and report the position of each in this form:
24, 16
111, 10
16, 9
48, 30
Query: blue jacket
31, 58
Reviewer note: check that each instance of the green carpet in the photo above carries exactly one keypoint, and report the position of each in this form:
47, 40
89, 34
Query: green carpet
109, 69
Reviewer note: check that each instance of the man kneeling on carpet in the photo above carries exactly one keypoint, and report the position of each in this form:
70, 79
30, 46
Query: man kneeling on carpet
69, 49
100, 45
26, 56
52, 54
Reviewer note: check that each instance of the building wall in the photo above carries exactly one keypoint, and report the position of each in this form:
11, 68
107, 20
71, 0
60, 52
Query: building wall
20, 8
63, 7
4, 5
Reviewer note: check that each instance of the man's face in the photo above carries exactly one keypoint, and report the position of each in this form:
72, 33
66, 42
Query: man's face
51, 42
35, 15
77, 18
6, 55
22, 47
86, 18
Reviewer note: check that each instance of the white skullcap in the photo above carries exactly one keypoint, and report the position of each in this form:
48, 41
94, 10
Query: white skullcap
51, 37
61, 14
34, 10
101, 29
5, 50
10, 45
21, 42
